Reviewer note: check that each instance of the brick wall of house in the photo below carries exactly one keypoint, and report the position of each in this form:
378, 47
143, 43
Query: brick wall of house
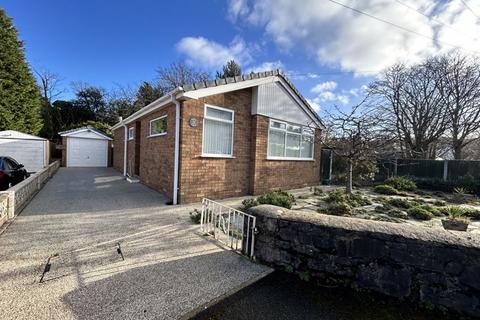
157, 153
215, 178
131, 146
118, 135
272, 174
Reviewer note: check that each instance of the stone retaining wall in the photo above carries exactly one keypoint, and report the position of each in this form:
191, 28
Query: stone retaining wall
13, 200
427, 265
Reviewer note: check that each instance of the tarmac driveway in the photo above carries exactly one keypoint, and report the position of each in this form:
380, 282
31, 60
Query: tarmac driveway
115, 251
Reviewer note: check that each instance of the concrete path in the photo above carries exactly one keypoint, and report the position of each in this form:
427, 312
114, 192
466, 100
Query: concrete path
78, 220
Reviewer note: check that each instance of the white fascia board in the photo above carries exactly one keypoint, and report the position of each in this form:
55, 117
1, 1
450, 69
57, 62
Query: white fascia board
234, 86
73, 133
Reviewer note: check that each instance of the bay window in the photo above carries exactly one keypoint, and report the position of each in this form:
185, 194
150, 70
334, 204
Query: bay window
289, 141
217, 132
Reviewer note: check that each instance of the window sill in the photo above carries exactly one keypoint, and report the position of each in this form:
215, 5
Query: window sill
130, 139
216, 156
157, 135
289, 159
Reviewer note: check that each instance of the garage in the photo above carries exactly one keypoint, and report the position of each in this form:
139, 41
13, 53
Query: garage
85, 147
29, 150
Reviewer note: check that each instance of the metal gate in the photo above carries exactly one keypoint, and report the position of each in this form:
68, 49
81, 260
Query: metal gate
233, 228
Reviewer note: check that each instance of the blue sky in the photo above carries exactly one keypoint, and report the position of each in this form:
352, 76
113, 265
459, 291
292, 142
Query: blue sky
329, 52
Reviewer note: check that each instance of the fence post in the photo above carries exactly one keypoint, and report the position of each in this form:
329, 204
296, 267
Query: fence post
445, 170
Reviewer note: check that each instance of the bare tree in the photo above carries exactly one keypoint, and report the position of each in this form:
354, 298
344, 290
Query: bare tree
178, 74
410, 102
460, 88
49, 85
354, 136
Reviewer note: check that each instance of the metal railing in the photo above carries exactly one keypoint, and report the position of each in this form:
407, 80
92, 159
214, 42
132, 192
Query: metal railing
233, 228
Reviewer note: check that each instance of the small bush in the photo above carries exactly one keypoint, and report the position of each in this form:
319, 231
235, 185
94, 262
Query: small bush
397, 213
337, 195
456, 212
277, 198
317, 191
419, 213
385, 189
338, 209
434, 211
400, 203
401, 183
195, 216
249, 203
439, 203
357, 200
383, 208
473, 214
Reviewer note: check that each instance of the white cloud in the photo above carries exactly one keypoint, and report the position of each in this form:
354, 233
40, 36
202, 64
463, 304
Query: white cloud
327, 96
324, 86
237, 8
209, 54
314, 104
266, 66
339, 37
344, 99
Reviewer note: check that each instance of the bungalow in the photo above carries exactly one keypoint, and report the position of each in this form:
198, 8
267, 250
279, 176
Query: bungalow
223, 138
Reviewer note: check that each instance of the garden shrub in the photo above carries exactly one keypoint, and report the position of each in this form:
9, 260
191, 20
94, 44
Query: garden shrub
473, 214
357, 200
249, 203
317, 191
400, 203
195, 216
419, 213
457, 211
383, 208
385, 189
337, 195
397, 213
277, 198
439, 203
432, 210
338, 209
401, 183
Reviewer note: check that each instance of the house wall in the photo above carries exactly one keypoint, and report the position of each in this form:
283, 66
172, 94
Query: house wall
131, 146
215, 177
157, 153
272, 174
118, 135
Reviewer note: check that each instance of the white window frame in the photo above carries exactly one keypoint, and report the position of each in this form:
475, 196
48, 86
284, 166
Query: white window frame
131, 133
232, 122
150, 127
284, 157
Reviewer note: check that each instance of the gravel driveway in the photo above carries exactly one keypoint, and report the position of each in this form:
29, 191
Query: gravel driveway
79, 220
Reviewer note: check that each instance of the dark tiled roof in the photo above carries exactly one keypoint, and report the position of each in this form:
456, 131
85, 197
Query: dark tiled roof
251, 76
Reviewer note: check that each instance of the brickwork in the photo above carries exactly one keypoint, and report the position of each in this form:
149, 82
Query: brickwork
157, 153
118, 135
247, 172
286, 174
215, 178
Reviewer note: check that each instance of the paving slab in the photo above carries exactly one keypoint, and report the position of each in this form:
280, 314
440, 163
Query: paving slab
79, 220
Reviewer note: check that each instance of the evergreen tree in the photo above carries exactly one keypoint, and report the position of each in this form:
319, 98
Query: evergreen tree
146, 94
230, 69
20, 98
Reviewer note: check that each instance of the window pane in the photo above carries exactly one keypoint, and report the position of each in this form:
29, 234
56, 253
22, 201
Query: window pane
297, 129
293, 145
308, 131
278, 125
307, 147
219, 114
158, 126
276, 143
217, 137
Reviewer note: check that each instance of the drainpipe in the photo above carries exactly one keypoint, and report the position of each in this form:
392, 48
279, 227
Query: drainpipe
125, 150
177, 149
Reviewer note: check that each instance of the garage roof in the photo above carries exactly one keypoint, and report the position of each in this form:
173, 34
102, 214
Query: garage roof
91, 129
12, 134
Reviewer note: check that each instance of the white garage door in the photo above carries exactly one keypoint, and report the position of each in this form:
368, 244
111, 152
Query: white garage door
83, 152
30, 153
